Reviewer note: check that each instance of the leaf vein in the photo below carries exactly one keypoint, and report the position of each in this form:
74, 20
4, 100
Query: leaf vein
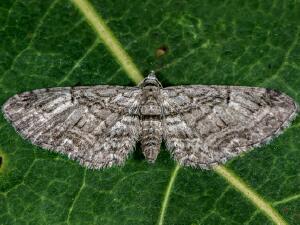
167, 195
288, 199
39, 24
76, 197
257, 200
285, 59
77, 62
106, 35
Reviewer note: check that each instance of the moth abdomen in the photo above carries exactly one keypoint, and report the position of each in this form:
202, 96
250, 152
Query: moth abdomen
151, 138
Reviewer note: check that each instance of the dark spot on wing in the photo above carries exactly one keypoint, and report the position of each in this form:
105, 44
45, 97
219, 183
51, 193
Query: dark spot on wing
72, 94
228, 96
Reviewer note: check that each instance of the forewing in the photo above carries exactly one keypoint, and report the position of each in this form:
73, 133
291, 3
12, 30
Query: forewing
207, 125
90, 124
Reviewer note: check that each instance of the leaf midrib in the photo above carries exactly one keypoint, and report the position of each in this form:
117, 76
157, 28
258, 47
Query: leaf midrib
110, 41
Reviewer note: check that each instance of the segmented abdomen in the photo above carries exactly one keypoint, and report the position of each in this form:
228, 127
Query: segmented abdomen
151, 137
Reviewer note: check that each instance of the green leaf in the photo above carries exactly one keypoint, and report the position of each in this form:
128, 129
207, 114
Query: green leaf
56, 43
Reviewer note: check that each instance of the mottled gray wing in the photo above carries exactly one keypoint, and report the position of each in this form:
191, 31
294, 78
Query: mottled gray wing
90, 124
207, 125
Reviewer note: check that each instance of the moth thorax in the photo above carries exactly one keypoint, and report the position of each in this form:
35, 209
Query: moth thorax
151, 110
151, 138
151, 92
150, 104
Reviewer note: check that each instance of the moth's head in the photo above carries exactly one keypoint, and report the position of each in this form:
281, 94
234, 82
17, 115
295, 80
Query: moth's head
150, 80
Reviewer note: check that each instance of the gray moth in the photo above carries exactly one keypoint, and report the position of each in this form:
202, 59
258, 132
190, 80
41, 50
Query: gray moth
99, 126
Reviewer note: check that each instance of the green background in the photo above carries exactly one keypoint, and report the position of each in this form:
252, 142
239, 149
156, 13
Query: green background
49, 43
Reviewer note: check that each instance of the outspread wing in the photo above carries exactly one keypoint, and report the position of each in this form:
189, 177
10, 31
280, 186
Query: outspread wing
207, 125
89, 124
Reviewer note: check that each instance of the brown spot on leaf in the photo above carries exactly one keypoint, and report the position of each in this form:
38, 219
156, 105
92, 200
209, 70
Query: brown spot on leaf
1, 159
161, 51
285, 209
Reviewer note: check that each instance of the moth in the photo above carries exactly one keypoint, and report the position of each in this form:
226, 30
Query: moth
99, 126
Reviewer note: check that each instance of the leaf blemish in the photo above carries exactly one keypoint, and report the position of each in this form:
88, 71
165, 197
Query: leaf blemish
1, 160
161, 51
